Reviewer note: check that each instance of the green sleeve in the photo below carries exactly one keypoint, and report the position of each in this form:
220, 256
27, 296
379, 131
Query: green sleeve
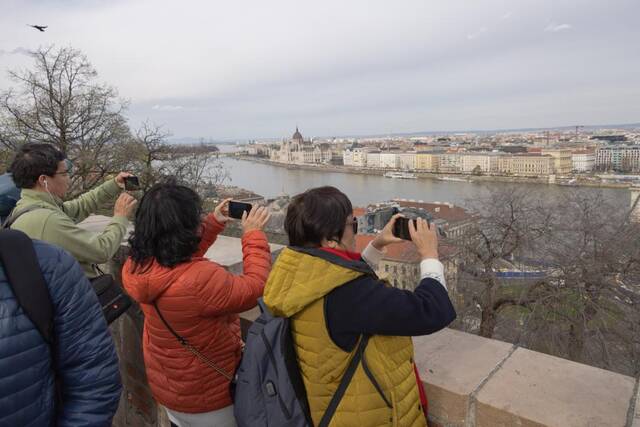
88, 203
86, 246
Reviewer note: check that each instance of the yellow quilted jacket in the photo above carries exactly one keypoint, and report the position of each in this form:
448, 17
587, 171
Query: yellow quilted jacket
296, 288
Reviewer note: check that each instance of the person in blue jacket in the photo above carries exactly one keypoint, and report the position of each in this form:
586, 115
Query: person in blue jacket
84, 360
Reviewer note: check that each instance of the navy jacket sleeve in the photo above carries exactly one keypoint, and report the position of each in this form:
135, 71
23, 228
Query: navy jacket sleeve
368, 306
85, 357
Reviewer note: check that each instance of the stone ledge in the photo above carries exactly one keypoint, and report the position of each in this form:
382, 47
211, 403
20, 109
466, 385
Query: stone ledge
536, 389
474, 381
452, 366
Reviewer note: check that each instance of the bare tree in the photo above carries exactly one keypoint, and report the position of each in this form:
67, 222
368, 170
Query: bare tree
593, 257
507, 228
584, 304
147, 154
201, 170
59, 101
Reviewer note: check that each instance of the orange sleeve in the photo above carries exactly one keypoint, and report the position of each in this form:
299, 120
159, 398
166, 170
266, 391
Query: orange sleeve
221, 292
210, 230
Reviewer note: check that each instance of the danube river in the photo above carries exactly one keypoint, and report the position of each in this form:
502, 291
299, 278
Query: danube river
271, 181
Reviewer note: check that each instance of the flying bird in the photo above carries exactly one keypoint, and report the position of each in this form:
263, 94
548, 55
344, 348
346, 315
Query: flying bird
38, 27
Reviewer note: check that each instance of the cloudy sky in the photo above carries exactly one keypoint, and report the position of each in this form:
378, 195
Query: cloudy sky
248, 69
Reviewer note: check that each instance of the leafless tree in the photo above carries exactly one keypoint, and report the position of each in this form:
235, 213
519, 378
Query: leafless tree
147, 154
201, 170
593, 260
59, 101
585, 304
507, 228
150, 156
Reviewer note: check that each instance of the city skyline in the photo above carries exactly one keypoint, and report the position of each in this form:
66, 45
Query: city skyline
569, 128
229, 71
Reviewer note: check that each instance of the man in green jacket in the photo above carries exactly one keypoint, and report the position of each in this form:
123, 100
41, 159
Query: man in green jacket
42, 172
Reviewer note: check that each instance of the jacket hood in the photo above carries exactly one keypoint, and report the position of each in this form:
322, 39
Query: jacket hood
147, 284
301, 276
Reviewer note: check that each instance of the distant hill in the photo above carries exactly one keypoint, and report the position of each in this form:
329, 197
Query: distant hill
493, 131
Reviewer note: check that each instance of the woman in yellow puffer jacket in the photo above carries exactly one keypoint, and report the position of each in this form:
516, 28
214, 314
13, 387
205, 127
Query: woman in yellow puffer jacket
334, 299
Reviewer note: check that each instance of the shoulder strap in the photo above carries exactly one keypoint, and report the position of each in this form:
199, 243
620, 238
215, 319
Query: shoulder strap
183, 342
344, 383
15, 214
21, 266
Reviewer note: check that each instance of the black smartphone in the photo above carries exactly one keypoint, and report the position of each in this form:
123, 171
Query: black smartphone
401, 228
236, 209
131, 183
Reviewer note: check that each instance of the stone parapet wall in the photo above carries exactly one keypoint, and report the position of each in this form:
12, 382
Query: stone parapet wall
474, 381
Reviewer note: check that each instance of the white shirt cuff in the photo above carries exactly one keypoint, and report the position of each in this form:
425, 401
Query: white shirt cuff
433, 269
372, 256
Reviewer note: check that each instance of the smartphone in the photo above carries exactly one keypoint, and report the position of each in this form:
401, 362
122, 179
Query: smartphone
401, 228
131, 183
236, 209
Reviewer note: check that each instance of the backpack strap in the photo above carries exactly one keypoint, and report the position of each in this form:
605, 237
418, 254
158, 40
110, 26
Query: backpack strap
21, 266
15, 214
344, 383
263, 307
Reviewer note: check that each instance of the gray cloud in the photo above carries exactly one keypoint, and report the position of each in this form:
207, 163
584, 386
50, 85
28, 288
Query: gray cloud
556, 28
16, 51
477, 34
159, 107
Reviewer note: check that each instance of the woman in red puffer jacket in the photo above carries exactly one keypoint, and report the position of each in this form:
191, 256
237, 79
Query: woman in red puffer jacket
168, 276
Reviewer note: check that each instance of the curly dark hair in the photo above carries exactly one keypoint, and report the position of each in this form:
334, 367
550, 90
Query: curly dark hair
318, 213
167, 226
31, 161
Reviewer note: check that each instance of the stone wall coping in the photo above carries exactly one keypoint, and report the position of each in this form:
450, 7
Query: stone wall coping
475, 381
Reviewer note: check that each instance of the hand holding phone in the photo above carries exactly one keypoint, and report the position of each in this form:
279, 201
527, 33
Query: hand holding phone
401, 228
131, 183
236, 209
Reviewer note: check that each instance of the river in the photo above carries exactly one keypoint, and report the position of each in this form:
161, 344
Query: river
271, 181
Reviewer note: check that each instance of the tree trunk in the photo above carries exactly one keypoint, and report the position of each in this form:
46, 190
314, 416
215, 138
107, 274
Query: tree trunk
576, 342
488, 322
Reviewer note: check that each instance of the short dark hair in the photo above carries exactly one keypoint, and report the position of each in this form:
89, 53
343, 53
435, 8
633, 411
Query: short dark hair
167, 225
33, 160
317, 214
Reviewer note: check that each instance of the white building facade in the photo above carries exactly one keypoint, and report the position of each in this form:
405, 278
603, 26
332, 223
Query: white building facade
583, 161
407, 160
373, 159
389, 160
